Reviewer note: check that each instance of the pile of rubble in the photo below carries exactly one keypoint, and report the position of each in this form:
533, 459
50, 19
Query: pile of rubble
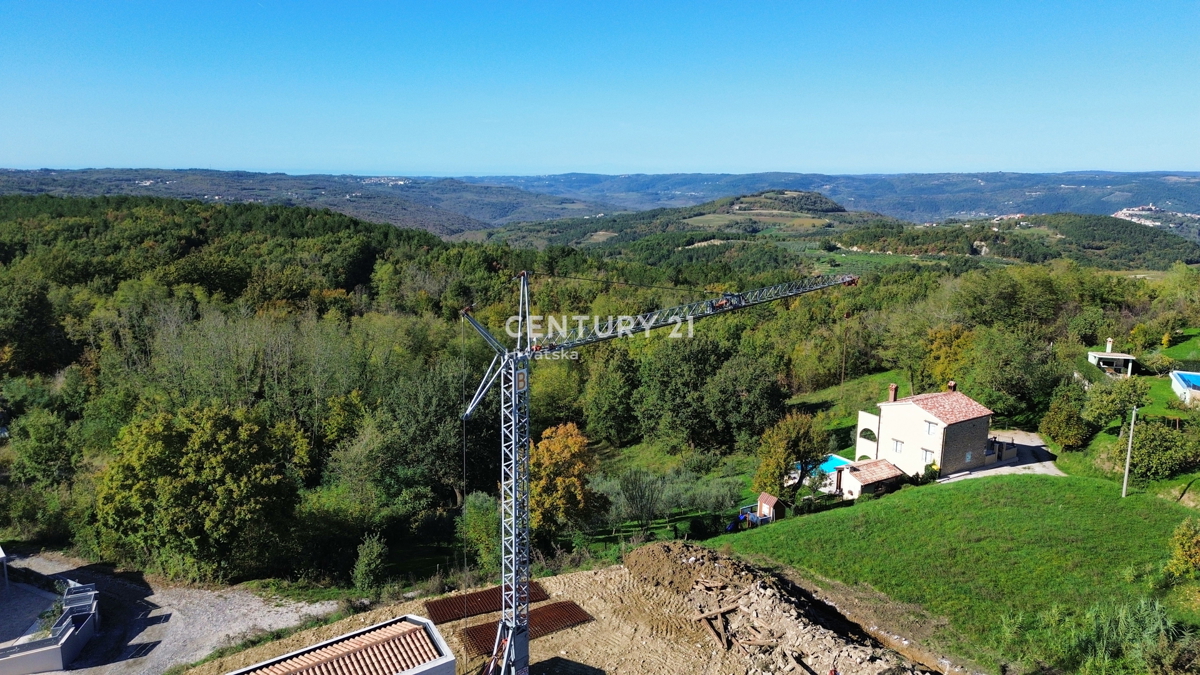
751, 613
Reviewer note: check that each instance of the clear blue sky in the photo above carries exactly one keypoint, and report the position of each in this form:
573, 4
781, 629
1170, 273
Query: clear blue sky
442, 88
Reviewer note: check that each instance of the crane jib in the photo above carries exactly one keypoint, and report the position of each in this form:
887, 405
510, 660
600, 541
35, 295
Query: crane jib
674, 316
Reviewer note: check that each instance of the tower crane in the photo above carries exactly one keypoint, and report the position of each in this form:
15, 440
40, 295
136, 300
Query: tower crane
510, 655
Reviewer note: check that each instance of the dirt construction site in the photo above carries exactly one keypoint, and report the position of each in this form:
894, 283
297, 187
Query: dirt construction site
671, 608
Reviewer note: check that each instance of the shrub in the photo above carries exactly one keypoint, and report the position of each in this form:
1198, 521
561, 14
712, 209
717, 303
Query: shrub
1185, 549
479, 528
1159, 451
865, 497
1064, 422
369, 568
43, 456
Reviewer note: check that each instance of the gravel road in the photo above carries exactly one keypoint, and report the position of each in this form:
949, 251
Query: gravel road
148, 626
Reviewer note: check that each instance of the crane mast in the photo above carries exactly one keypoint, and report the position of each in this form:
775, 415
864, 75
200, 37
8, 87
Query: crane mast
510, 654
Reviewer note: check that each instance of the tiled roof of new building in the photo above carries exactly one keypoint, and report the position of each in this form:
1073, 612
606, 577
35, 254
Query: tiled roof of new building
387, 650
950, 407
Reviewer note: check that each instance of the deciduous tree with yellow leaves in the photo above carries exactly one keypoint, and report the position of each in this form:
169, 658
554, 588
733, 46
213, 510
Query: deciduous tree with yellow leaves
559, 497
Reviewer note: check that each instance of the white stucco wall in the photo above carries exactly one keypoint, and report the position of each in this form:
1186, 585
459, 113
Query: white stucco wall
906, 422
863, 446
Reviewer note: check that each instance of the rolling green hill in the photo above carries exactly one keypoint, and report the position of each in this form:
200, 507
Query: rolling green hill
1100, 241
986, 554
812, 224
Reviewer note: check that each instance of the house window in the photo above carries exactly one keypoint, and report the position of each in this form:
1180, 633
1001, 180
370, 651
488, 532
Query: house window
969, 457
899, 447
927, 456
930, 428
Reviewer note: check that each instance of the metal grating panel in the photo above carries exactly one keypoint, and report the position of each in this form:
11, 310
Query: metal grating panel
543, 621
486, 601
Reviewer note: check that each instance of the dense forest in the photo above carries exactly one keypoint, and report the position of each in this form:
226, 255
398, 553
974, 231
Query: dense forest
226, 391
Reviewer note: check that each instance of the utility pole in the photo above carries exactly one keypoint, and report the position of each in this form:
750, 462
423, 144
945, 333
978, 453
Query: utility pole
510, 654
1128, 454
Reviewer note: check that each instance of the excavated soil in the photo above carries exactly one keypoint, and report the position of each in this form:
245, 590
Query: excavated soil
645, 624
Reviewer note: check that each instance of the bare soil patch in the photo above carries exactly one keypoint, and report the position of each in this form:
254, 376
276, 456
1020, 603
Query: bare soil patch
644, 624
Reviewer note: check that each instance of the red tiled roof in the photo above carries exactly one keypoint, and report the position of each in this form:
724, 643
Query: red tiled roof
950, 407
873, 471
768, 499
387, 650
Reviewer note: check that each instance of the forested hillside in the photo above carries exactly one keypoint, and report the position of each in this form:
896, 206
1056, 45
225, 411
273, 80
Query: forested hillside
1101, 241
224, 391
809, 220
442, 206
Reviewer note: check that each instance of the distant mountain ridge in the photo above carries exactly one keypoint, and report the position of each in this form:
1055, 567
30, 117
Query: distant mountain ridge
441, 205
913, 197
448, 206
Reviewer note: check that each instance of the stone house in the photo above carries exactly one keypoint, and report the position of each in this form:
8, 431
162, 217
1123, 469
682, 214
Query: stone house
946, 429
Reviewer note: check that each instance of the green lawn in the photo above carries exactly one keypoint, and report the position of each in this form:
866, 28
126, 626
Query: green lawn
978, 551
1189, 349
843, 401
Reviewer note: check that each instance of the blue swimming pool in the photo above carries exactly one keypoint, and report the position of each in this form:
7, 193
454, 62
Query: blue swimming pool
1192, 380
832, 462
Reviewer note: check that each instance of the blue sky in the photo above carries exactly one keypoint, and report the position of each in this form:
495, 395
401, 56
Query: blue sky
527, 88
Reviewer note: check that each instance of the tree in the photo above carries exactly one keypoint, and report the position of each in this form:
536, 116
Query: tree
1161, 452
641, 496
1064, 422
1113, 398
949, 352
743, 398
370, 566
670, 401
1013, 372
795, 443
559, 496
30, 336
425, 442
479, 528
203, 493
608, 396
43, 455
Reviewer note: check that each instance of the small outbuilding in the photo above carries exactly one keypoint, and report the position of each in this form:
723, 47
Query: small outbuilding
767, 507
1114, 364
865, 477
408, 644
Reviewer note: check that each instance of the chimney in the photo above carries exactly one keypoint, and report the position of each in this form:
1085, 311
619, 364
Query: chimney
1108, 346
952, 385
892, 392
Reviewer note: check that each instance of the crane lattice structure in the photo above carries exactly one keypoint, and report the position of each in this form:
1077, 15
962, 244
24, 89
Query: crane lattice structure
510, 655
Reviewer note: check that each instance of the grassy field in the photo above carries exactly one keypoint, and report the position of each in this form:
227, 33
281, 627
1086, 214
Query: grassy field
1188, 349
843, 401
1160, 395
981, 552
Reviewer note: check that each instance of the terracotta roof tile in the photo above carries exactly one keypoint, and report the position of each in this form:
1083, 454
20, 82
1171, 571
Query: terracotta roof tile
950, 407
873, 471
387, 650
768, 499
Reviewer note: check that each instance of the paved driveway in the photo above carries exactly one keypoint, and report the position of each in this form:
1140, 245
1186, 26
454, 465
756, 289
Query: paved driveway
1032, 458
